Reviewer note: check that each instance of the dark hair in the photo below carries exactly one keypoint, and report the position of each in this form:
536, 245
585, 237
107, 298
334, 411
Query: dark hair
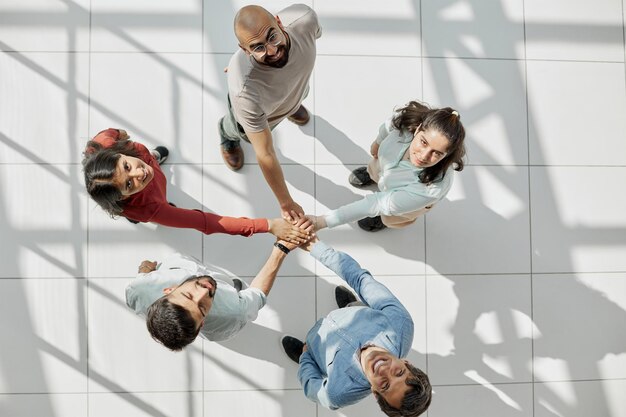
99, 168
447, 121
415, 401
170, 324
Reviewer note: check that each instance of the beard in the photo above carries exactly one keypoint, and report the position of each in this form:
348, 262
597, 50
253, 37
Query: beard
210, 278
282, 61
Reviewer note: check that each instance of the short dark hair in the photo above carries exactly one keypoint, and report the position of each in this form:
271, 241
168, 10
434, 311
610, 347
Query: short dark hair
99, 167
415, 401
445, 120
170, 324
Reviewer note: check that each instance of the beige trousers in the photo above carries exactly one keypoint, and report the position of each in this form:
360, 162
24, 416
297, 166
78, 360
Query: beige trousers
402, 220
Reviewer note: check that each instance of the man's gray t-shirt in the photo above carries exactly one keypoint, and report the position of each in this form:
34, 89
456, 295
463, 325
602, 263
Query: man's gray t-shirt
262, 96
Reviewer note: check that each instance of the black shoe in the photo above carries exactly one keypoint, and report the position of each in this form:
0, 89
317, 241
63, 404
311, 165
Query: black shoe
343, 296
160, 153
237, 284
293, 347
359, 178
372, 224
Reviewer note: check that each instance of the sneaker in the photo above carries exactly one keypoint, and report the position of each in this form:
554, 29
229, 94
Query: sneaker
343, 296
300, 117
293, 347
160, 153
359, 178
237, 284
372, 224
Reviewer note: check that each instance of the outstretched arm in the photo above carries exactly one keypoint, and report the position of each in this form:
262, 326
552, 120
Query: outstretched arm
371, 292
272, 171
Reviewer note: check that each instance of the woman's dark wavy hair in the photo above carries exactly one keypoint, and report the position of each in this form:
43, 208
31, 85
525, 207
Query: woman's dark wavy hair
443, 120
99, 168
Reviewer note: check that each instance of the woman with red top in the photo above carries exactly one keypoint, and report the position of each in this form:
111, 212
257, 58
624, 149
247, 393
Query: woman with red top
125, 179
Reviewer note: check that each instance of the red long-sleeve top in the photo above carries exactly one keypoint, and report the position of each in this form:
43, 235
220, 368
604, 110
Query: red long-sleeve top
150, 204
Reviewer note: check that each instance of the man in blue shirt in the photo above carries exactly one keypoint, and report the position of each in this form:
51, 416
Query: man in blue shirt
358, 349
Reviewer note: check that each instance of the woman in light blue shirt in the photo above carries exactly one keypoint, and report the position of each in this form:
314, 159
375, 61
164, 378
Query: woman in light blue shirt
413, 158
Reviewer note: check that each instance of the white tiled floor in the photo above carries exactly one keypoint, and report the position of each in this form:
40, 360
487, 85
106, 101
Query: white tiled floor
516, 282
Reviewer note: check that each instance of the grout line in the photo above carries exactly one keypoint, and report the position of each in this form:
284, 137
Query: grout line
88, 217
202, 239
218, 164
530, 226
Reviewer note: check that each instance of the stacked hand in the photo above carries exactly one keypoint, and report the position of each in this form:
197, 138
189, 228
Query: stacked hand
304, 226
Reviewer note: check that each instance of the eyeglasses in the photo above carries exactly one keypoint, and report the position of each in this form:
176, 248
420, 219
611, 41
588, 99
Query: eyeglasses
275, 39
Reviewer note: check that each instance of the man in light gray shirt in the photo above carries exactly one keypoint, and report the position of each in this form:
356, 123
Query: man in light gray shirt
268, 78
182, 298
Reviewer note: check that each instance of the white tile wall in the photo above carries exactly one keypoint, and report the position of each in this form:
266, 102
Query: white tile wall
515, 281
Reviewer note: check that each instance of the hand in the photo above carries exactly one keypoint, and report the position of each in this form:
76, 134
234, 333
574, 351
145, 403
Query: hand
122, 134
284, 230
147, 266
374, 150
288, 245
319, 222
288, 210
304, 348
308, 246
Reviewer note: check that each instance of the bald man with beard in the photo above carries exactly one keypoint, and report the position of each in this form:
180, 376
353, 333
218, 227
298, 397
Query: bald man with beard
268, 78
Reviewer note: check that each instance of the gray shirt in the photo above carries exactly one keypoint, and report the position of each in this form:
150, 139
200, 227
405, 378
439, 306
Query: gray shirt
230, 312
262, 96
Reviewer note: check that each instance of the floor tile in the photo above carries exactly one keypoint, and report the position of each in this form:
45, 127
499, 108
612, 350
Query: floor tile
389, 251
31, 405
219, 36
490, 96
473, 29
122, 355
353, 97
167, 26
479, 329
117, 247
161, 404
409, 290
499, 400
557, 94
578, 399
47, 348
156, 98
44, 221
482, 226
367, 407
573, 344
44, 26
574, 30
276, 403
245, 193
254, 358
574, 234
369, 28
54, 87
293, 144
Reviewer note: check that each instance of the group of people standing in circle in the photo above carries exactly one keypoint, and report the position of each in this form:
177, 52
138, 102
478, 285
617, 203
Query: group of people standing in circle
357, 349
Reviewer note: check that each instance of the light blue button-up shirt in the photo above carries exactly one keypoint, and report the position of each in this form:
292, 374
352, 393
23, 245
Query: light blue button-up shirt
400, 188
330, 371
230, 312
